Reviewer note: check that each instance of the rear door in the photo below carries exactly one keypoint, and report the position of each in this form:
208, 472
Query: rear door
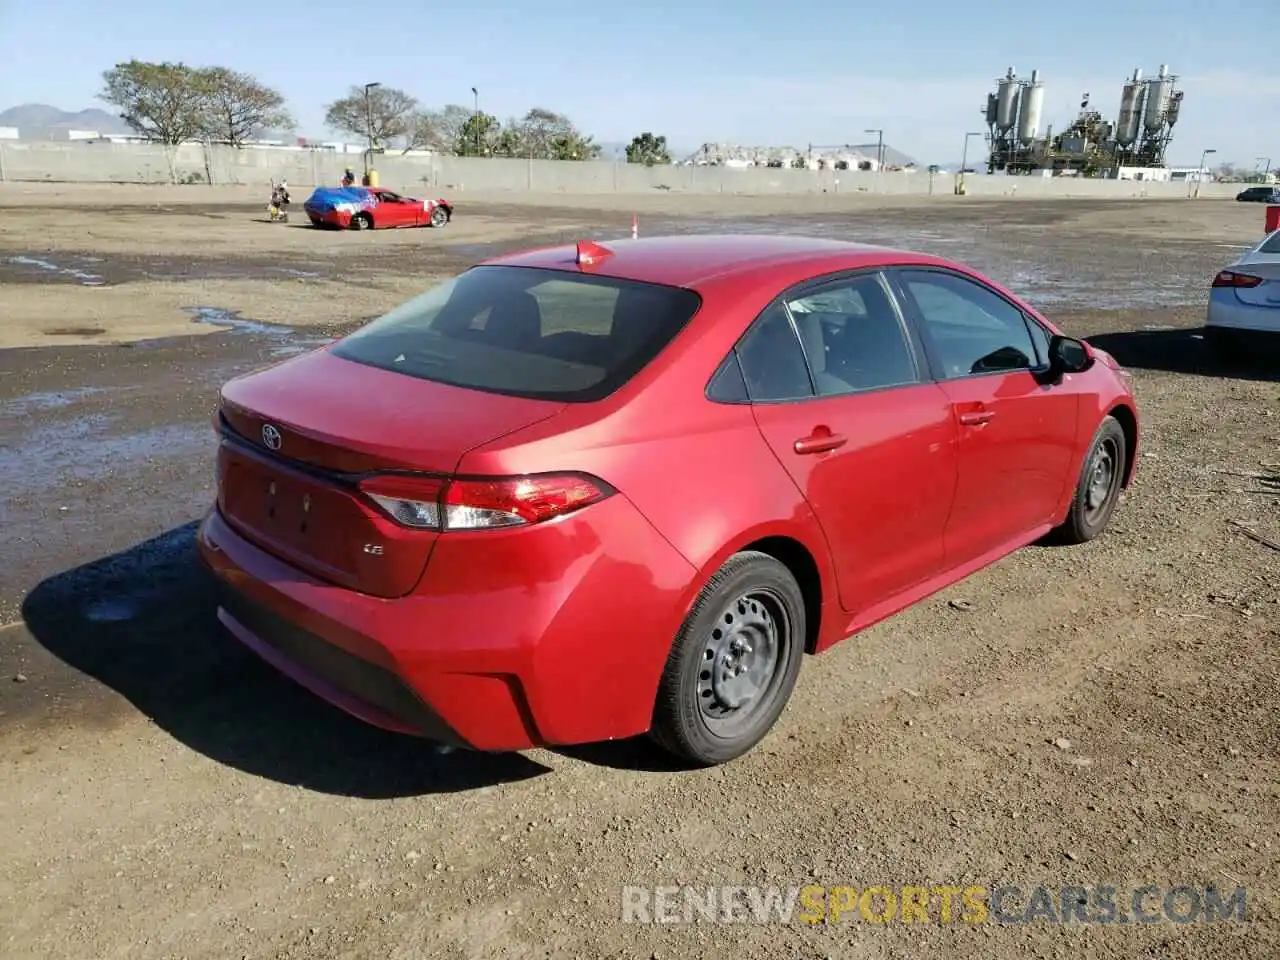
1017, 431
839, 393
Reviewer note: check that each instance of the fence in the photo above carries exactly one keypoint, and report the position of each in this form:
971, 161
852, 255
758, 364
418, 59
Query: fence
105, 162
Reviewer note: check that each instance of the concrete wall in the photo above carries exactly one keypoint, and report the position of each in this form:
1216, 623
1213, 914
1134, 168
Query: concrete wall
103, 162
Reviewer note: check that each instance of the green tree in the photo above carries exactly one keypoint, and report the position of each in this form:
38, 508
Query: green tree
574, 146
479, 136
238, 106
381, 114
648, 149
166, 102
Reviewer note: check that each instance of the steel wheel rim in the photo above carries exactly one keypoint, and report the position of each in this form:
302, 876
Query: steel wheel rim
1103, 475
742, 661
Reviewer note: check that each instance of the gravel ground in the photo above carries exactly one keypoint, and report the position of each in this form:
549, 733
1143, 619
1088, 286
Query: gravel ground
1083, 717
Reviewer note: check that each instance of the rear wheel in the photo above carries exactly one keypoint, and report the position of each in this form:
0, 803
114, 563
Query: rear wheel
1098, 486
734, 662
361, 221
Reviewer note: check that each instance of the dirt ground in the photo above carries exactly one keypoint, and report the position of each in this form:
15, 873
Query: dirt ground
1102, 715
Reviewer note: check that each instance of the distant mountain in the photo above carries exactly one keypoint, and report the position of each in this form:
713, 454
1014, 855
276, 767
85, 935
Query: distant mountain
37, 121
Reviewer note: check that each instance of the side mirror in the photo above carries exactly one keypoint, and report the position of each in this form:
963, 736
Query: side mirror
1068, 355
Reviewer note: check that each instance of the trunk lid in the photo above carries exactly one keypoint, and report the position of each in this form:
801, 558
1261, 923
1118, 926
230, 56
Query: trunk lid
297, 436
1266, 266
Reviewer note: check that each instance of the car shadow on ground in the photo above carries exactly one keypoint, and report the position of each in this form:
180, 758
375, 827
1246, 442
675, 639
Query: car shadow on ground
1186, 351
143, 623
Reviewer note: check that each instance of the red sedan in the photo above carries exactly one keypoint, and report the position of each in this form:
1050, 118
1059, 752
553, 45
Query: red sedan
578, 494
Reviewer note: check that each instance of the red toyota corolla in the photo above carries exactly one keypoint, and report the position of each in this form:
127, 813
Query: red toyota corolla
582, 493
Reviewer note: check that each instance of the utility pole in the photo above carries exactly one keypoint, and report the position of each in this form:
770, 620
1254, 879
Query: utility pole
475, 119
368, 126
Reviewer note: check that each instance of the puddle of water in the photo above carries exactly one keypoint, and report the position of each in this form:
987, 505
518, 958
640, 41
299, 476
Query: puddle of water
231, 319
48, 399
83, 277
297, 273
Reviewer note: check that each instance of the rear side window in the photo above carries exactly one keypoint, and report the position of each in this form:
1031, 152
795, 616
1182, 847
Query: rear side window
520, 331
772, 359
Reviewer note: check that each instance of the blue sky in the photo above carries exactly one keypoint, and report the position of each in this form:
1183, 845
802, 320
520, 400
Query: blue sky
749, 71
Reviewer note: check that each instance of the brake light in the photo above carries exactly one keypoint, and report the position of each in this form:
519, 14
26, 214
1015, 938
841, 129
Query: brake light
1229, 278
427, 503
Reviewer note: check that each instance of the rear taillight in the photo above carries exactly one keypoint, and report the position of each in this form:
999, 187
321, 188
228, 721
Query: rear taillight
427, 503
1229, 278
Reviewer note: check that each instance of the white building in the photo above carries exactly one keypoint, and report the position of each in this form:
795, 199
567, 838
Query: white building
8, 133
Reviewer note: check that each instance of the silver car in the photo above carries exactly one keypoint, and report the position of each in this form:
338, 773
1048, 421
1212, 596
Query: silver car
1244, 300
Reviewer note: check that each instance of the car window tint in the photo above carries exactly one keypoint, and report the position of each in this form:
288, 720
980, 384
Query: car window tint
972, 329
853, 338
527, 332
772, 361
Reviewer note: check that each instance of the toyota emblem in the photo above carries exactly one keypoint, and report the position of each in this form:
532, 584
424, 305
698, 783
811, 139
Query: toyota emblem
270, 437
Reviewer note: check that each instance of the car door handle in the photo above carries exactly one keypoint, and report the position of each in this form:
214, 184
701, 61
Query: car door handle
976, 418
820, 442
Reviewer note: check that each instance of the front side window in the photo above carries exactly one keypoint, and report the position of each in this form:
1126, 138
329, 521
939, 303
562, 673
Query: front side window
521, 331
973, 330
853, 337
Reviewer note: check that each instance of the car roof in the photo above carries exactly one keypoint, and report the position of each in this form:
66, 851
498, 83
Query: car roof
696, 260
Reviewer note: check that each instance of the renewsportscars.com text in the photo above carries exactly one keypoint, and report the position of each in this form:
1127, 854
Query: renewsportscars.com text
938, 903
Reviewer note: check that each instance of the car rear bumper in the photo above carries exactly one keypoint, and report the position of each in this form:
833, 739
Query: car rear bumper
333, 218
490, 652
1226, 311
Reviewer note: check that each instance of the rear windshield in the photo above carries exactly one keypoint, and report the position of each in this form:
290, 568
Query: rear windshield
526, 332
1271, 244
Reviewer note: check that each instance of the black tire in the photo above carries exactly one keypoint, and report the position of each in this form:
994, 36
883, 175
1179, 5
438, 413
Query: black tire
361, 221
439, 217
1098, 486
748, 621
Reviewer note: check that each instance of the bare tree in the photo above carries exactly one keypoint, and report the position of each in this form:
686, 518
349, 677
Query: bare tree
437, 129
539, 129
238, 106
161, 101
383, 114
546, 135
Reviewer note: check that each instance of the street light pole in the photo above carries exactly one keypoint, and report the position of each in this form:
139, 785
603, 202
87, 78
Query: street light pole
475, 118
879, 148
1200, 172
368, 126
964, 163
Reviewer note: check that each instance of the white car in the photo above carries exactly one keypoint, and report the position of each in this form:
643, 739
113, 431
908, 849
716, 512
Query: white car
1244, 300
